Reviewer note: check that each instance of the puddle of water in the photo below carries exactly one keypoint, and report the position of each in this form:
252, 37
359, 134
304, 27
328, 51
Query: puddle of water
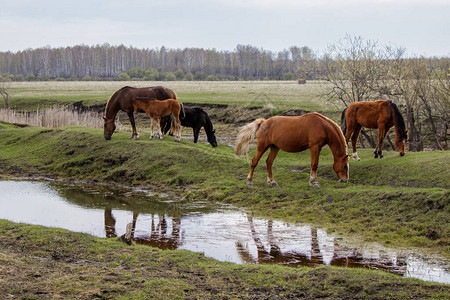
224, 233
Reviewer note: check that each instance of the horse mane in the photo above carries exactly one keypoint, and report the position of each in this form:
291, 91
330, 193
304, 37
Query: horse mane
337, 128
114, 97
208, 125
343, 121
399, 122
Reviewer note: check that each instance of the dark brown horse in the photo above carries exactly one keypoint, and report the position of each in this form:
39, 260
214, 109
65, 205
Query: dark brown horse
161, 108
294, 134
123, 100
381, 114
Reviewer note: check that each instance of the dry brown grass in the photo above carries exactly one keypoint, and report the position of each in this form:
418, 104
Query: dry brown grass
52, 117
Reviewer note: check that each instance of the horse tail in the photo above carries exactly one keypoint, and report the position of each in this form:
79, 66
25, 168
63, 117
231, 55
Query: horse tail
343, 121
171, 93
182, 110
399, 122
245, 136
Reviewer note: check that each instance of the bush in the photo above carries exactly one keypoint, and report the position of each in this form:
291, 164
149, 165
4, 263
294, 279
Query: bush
179, 74
122, 77
288, 76
151, 74
189, 77
170, 76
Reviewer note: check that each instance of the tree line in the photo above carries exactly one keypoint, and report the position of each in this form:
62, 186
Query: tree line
358, 69
103, 62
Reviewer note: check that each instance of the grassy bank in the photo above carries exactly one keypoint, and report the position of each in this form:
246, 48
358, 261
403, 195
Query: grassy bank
398, 201
401, 201
38, 263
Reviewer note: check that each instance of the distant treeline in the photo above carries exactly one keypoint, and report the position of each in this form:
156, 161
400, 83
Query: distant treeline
106, 62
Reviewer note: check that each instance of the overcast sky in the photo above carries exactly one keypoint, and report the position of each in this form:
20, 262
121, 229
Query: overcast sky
422, 27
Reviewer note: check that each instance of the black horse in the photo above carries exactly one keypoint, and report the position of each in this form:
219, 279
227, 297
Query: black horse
196, 118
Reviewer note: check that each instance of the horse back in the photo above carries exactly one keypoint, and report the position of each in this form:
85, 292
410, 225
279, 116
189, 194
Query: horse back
370, 114
294, 134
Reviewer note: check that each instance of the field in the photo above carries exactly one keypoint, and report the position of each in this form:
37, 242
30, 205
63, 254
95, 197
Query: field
283, 95
396, 201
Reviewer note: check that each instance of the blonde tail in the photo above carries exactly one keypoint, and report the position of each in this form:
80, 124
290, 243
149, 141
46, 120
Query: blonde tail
245, 136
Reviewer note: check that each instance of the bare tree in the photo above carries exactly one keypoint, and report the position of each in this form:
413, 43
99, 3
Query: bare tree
4, 94
355, 67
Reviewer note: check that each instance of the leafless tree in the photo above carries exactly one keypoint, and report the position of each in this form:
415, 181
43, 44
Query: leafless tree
4, 94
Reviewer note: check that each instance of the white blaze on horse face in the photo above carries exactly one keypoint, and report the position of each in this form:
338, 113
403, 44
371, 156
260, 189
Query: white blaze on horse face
348, 171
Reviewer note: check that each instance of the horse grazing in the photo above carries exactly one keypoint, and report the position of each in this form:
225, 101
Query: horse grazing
294, 134
381, 114
123, 100
161, 108
196, 118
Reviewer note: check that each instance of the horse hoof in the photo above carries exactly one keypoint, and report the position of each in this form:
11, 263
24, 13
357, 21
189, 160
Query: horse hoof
314, 183
272, 183
249, 184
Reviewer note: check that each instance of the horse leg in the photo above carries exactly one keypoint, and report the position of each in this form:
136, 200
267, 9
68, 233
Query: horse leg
130, 114
151, 128
315, 152
355, 136
158, 133
269, 162
196, 133
177, 129
382, 131
259, 152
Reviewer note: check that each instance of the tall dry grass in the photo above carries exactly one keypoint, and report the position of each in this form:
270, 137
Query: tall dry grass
52, 117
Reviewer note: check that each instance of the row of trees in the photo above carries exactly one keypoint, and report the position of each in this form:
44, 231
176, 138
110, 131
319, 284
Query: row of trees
106, 62
358, 69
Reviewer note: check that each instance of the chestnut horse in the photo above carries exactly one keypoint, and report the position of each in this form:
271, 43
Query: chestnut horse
294, 134
123, 100
381, 114
161, 108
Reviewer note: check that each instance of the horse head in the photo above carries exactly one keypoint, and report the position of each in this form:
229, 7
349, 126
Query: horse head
340, 166
108, 128
400, 142
212, 138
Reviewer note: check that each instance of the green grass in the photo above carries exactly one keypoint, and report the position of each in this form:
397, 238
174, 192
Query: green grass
283, 95
388, 200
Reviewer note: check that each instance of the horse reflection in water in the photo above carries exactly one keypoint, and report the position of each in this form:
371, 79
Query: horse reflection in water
309, 248
318, 253
273, 253
158, 236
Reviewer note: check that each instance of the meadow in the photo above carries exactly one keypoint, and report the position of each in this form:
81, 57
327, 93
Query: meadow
283, 95
397, 201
